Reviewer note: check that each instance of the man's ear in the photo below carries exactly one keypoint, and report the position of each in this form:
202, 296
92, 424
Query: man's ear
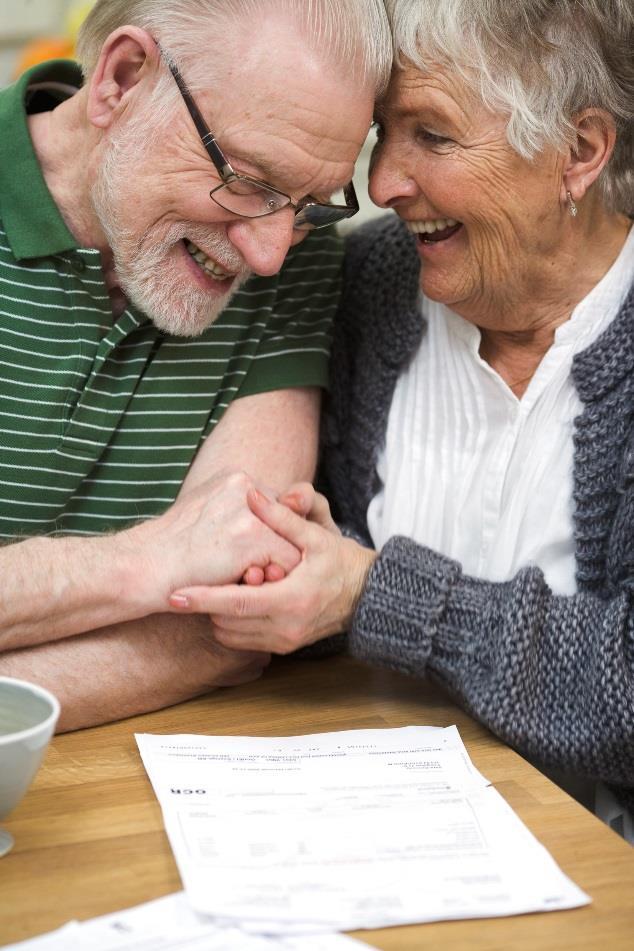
126, 57
590, 153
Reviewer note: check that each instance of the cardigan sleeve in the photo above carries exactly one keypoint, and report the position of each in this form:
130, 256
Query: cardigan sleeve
551, 675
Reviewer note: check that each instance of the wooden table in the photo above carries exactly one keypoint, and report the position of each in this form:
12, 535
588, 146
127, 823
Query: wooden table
90, 840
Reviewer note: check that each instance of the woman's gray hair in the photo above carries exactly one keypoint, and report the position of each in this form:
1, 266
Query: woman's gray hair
354, 33
540, 61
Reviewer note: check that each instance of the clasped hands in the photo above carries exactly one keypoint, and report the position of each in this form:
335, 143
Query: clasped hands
280, 607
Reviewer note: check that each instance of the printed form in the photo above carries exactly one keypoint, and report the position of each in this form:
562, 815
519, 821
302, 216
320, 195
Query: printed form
340, 831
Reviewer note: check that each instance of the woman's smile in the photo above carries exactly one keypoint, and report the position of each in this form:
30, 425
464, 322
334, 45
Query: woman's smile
434, 229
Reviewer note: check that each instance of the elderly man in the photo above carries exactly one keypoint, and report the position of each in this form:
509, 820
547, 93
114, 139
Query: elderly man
141, 363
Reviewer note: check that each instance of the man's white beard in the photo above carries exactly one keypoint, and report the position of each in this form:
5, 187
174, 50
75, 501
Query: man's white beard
146, 267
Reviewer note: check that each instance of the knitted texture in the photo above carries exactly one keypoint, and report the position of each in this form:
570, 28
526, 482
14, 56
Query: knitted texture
551, 675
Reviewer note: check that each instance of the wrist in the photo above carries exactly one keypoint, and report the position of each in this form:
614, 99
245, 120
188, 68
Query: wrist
144, 557
361, 562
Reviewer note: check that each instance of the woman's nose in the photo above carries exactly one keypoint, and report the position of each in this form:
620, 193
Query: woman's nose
391, 181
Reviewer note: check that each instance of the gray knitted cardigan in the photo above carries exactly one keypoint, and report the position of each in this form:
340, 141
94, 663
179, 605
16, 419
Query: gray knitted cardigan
552, 675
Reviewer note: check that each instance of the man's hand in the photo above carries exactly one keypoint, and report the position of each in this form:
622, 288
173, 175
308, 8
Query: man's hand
210, 536
229, 668
315, 600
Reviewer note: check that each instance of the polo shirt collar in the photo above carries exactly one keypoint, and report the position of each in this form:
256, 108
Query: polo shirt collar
30, 217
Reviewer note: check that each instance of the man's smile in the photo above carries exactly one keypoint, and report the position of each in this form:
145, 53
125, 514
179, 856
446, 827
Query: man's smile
206, 263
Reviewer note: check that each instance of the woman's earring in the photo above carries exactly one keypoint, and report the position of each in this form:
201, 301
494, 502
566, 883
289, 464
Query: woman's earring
572, 208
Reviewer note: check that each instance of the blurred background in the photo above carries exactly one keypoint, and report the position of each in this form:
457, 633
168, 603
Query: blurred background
35, 30
32, 31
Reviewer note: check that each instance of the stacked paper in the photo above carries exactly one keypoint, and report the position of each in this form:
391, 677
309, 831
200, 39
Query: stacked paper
170, 924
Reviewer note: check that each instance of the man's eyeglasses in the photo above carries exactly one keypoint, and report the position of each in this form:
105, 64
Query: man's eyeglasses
250, 197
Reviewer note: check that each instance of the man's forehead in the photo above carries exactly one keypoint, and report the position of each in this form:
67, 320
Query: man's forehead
294, 136
271, 62
283, 111
289, 165
322, 109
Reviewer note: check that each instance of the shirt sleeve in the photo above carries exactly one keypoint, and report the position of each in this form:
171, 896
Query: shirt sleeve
294, 349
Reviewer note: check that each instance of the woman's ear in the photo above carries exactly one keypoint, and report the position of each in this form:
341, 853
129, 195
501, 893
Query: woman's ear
589, 153
124, 60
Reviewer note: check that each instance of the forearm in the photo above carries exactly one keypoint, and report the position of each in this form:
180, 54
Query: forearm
273, 437
55, 588
551, 675
127, 669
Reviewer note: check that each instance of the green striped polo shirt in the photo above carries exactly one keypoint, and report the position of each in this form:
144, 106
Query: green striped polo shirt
101, 418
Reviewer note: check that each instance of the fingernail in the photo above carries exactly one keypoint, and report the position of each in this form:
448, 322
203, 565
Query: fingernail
260, 497
179, 601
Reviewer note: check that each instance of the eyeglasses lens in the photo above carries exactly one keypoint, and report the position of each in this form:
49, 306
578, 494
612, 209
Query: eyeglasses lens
252, 200
246, 198
342, 204
315, 216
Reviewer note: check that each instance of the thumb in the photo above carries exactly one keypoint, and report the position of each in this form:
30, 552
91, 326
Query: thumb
294, 528
299, 498
320, 514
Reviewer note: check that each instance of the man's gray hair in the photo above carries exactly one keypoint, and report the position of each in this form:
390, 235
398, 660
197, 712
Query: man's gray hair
354, 33
539, 61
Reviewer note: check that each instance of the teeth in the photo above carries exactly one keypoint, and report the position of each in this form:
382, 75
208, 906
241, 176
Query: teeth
431, 225
207, 264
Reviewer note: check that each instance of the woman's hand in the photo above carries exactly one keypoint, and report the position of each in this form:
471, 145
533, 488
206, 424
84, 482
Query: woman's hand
316, 599
302, 499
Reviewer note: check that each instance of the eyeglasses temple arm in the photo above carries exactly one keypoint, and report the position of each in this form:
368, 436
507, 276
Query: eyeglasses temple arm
215, 153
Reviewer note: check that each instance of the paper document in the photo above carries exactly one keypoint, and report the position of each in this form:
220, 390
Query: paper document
338, 831
171, 924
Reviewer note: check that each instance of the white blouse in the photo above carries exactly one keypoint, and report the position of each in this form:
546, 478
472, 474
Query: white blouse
475, 473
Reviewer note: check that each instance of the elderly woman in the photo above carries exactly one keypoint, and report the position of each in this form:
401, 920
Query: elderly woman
479, 438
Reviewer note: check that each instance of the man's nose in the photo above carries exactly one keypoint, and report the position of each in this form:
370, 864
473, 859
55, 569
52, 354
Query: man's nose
264, 242
391, 180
